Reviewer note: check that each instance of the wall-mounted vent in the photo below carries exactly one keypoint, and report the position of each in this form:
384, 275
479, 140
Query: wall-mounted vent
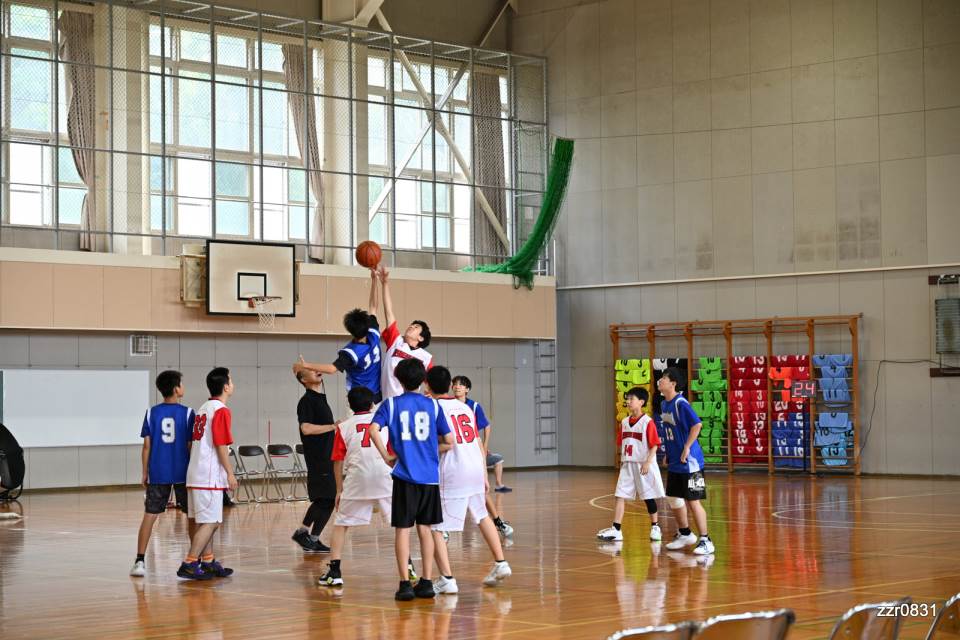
144, 346
948, 325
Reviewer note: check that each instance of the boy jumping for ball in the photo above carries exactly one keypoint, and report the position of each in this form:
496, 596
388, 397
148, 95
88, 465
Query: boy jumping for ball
415, 424
363, 479
167, 432
686, 486
399, 348
360, 358
208, 476
639, 476
463, 484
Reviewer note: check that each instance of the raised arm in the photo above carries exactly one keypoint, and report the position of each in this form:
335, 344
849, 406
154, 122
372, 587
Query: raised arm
374, 305
387, 300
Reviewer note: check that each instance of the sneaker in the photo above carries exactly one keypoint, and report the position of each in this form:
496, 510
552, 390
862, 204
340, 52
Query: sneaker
193, 571
308, 544
139, 569
331, 578
500, 571
446, 585
411, 574
424, 589
405, 592
655, 534
445, 535
503, 489
611, 534
216, 569
681, 541
705, 562
704, 547
506, 530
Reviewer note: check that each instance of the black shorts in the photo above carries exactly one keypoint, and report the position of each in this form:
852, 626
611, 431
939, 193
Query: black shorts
415, 504
159, 494
689, 486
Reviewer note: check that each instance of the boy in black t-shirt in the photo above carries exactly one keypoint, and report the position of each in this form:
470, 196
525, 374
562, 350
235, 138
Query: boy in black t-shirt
316, 433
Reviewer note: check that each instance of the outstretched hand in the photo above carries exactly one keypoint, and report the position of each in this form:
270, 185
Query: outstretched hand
382, 273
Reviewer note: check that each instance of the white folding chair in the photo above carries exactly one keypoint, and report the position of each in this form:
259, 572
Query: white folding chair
868, 622
762, 625
678, 631
947, 622
266, 474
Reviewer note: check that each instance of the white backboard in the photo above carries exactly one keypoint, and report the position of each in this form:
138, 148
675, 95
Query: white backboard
238, 270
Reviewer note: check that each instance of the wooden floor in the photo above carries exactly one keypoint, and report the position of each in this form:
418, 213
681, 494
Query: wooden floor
817, 546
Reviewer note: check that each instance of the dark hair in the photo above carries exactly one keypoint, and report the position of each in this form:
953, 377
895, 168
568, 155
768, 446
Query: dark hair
410, 373
464, 380
300, 376
639, 393
360, 399
673, 374
424, 334
356, 322
438, 379
217, 379
168, 381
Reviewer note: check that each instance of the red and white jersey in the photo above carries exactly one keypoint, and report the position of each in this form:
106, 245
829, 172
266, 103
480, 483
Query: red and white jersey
636, 437
463, 469
211, 429
395, 351
365, 475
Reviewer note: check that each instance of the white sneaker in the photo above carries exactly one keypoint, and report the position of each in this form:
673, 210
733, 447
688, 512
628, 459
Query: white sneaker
681, 541
611, 534
445, 536
704, 547
139, 569
506, 530
500, 571
445, 585
655, 533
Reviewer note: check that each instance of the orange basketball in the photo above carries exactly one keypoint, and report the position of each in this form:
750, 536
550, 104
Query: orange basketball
369, 254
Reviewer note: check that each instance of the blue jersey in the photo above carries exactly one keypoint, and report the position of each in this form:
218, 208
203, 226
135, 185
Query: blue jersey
482, 422
678, 418
361, 362
170, 429
415, 423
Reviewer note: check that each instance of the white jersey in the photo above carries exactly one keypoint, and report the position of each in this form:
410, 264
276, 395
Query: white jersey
636, 437
365, 475
395, 351
211, 429
463, 469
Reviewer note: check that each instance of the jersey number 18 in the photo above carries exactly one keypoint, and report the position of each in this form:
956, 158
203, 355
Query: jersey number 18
421, 425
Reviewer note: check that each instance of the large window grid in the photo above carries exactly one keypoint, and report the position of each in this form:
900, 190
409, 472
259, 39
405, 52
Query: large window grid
216, 168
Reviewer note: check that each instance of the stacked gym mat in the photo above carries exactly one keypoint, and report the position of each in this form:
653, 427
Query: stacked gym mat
748, 409
710, 403
834, 433
629, 374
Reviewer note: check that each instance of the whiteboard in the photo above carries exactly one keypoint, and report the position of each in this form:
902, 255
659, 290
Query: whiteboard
74, 408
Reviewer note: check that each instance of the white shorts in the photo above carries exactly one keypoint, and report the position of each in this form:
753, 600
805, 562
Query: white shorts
633, 484
455, 511
356, 513
205, 506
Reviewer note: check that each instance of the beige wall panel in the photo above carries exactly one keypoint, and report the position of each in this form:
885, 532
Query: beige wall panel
459, 310
899, 24
132, 310
691, 106
167, 312
729, 37
494, 315
811, 23
27, 294
769, 34
901, 135
854, 28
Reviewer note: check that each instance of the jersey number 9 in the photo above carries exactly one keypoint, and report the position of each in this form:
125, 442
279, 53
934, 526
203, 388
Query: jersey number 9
421, 425
168, 430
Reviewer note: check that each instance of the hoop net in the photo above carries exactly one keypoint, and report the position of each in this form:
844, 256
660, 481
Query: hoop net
266, 311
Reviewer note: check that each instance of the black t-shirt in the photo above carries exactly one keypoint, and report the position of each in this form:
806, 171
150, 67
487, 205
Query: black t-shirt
317, 449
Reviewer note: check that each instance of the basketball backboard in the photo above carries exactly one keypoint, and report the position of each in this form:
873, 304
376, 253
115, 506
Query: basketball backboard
238, 271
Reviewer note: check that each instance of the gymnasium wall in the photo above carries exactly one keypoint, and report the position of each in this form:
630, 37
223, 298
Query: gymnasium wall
722, 141
66, 310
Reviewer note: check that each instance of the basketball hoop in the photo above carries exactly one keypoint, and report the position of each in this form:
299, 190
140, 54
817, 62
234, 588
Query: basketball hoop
265, 309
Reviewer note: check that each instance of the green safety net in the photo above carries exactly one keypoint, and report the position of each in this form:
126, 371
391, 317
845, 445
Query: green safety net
521, 265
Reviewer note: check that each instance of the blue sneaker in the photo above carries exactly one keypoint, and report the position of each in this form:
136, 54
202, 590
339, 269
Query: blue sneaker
216, 570
193, 571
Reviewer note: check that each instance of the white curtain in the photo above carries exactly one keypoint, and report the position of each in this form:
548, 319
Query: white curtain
76, 48
296, 73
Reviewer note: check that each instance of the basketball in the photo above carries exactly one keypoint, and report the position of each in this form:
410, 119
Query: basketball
368, 254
